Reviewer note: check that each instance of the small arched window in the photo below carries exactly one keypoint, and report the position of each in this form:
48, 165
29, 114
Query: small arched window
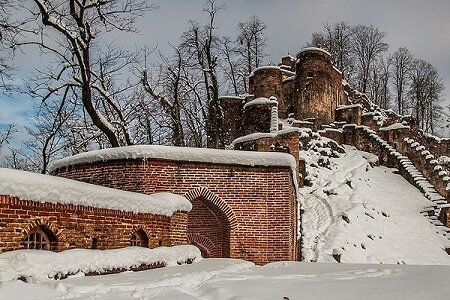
39, 239
139, 238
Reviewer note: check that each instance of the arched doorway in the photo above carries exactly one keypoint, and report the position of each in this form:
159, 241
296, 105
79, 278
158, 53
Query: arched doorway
209, 223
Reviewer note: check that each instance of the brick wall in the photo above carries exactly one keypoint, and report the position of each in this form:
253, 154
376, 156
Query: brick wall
257, 118
319, 87
75, 226
250, 211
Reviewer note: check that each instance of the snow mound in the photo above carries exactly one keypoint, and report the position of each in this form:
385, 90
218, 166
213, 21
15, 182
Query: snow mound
38, 265
46, 188
358, 212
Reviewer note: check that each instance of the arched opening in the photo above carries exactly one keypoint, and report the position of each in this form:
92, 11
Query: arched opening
203, 251
139, 238
208, 221
40, 238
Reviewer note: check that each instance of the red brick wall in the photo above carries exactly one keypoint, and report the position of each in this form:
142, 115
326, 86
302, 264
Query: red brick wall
76, 226
251, 209
257, 118
319, 87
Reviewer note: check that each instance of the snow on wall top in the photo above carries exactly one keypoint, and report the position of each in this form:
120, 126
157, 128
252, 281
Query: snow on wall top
348, 106
232, 97
47, 188
260, 135
202, 155
313, 49
261, 101
265, 68
394, 126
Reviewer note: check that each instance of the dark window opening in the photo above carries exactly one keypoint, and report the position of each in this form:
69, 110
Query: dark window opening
139, 239
40, 238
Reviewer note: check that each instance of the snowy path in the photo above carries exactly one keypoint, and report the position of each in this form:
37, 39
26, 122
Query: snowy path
367, 214
227, 279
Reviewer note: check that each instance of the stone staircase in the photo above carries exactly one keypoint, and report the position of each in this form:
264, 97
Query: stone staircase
415, 177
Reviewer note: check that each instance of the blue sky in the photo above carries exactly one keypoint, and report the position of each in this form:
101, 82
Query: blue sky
422, 26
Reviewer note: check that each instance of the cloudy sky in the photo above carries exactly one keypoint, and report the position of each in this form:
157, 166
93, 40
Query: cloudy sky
423, 26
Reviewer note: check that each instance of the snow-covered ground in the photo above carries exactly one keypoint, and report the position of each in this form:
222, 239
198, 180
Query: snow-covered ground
40, 265
366, 214
221, 279
363, 212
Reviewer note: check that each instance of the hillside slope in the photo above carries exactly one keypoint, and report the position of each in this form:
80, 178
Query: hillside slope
364, 213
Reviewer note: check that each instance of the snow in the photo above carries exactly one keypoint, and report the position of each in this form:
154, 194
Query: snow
313, 49
41, 265
444, 160
274, 119
202, 155
260, 135
368, 212
236, 279
337, 70
394, 127
261, 101
232, 97
265, 68
46, 188
348, 106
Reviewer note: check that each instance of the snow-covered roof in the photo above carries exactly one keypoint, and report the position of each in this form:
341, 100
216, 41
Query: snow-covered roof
261, 101
52, 189
394, 126
202, 155
313, 49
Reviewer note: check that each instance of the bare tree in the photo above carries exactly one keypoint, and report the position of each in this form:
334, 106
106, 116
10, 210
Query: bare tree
401, 67
367, 46
202, 49
378, 86
336, 39
46, 137
6, 135
82, 67
252, 43
169, 97
425, 94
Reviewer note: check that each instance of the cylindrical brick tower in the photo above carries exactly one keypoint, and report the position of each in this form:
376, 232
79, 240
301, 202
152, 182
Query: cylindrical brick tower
267, 82
258, 115
318, 86
232, 108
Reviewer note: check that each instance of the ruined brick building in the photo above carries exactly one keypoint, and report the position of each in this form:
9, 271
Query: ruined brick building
245, 199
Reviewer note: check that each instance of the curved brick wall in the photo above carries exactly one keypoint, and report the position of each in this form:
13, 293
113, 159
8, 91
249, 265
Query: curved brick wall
238, 211
319, 87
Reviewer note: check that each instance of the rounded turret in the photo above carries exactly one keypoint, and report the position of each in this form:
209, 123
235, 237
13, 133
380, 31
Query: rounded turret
319, 86
259, 115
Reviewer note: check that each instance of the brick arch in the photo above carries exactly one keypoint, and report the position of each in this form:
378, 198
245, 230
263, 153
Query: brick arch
205, 244
154, 238
213, 219
209, 196
54, 230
